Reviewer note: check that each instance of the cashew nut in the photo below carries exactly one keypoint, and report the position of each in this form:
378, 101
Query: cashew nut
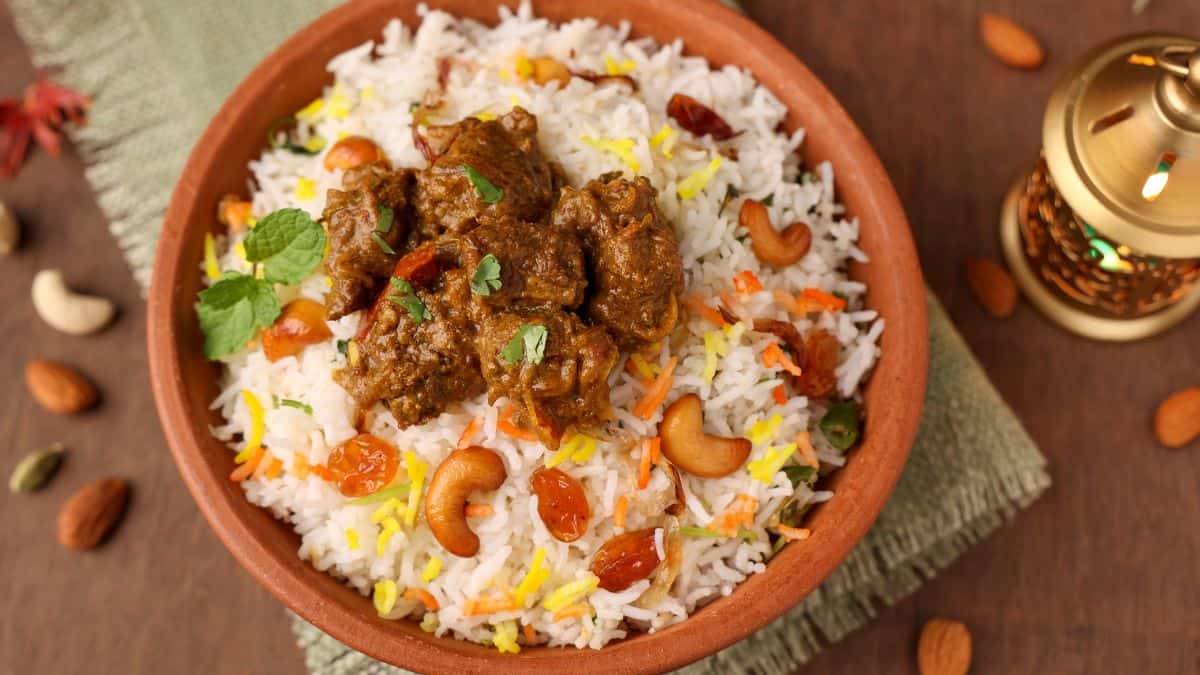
688, 447
464, 471
10, 233
777, 248
70, 312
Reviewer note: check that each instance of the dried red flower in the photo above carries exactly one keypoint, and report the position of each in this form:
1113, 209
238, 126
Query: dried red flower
698, 118
40, 115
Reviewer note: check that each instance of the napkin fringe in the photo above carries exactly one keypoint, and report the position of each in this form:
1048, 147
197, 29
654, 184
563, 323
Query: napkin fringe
128, 124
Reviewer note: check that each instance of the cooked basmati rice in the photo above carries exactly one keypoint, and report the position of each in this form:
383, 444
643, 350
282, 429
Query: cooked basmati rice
375, 84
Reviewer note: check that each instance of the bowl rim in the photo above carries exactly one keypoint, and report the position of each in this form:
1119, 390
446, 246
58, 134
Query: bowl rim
725, 621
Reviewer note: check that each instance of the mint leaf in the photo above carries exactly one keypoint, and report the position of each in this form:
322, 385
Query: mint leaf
386, 217
382, 244
232, 309
489, 193
487, 276
528, 343
288, 243
297, 404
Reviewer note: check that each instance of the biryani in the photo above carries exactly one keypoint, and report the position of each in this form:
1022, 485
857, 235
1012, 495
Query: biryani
536, 334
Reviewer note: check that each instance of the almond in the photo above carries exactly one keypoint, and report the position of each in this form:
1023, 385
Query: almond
992, 286
1010, 43
92, 513
944, 648
1177, 420
58, 387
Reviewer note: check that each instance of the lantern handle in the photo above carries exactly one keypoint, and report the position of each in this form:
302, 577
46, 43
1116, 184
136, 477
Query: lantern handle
1187, 68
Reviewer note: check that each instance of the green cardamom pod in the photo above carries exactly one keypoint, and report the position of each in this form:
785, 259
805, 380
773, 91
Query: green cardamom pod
38, 467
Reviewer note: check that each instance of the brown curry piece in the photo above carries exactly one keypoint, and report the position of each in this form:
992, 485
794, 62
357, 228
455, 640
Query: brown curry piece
598, 268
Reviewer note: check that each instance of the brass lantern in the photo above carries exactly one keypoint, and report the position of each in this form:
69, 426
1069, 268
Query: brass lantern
1103, 236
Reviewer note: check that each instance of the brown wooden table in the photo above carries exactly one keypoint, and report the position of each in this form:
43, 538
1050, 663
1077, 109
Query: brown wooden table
1102, 575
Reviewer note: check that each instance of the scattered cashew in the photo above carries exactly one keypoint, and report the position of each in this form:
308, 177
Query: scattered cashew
464, 471
10, 233
688, 447
777, 248
66, 310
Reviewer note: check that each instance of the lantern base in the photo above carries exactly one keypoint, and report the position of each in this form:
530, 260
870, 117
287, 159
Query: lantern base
1065, 313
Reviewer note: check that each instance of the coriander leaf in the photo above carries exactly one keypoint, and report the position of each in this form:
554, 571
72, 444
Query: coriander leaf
297, 404
382, 244
840, 425
386, 217
769, 200
800, 473
416, 308
288, 243
402, 285
489, 193
343, 347
487, 276
232, 309
528, 343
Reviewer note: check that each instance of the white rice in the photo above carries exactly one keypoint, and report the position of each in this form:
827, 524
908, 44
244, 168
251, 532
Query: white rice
377, 82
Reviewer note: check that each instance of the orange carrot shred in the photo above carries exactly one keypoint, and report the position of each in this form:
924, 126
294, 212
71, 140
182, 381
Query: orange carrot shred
804, 446
619, 511
780, 395
489, 605
243, 472
479, 510
506, 426
263, 466
697, 305
774, 356
822, 299
322, 472
425, 597
469, 432
530, 634
789, 302
793, 533
657, 393
571, 611
740, 513
747, 283
644, 466
274, 468
655, 449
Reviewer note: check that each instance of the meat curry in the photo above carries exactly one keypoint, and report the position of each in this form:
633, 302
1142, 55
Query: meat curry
485, 272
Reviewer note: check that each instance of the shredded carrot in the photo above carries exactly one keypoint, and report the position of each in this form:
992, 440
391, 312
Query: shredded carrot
822, 299
631, 367
657, 393
697, 305
655, 449
322, 472
619, 511
490, 605
243, 471
747, 283
505, 425
804, 446
479, 510
572, 611
789, 302
729, 299
264, 465
469, 432
740, 513
780, 395
425, 597
530, 634
793, 533
644, 465
274, 468
300, 466
774, 356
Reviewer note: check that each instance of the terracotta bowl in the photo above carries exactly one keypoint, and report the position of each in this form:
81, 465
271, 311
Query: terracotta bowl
184, 383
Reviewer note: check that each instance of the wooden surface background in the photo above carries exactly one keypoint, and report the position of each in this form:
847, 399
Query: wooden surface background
1102, 575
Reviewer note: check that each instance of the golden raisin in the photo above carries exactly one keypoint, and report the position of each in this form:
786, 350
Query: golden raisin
626, 559
562, 504
353, 151
301, 323
819, 379
362, 465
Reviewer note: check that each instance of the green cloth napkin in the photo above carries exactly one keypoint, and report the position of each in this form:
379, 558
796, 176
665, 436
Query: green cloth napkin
158, 69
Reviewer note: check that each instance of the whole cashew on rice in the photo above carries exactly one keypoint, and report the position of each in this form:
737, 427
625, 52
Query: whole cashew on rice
70, 312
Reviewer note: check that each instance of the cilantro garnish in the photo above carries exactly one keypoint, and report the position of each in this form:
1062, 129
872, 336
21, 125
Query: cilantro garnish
800, 473
382, 244
769, 200
288, 243
408, 300
386, 218
343, 347
840, 425
232, 309
489, 193
487, 276
528, 343
297, 404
